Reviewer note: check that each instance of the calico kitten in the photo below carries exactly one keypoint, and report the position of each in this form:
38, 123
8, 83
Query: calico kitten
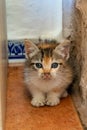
47, 72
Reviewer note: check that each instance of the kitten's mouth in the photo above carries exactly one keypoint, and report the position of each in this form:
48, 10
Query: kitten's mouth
47, 78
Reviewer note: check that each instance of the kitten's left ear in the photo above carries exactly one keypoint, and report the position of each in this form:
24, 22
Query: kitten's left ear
63, 49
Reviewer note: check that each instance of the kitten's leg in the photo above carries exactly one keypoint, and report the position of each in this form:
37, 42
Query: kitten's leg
52, 99
65, 94
38, 98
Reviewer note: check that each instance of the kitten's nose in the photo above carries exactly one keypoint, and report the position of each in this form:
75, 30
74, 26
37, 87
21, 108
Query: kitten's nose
47, 75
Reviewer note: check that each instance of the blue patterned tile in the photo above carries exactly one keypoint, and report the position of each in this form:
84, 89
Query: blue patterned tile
16, 49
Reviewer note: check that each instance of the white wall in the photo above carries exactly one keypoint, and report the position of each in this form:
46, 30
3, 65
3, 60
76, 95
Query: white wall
34, 18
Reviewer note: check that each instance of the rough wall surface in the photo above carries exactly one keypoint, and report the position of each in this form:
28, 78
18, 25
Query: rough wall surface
77, 28
34, 19
81, 5
71, 26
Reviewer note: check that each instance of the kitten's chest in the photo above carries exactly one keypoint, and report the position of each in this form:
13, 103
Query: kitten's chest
46, 86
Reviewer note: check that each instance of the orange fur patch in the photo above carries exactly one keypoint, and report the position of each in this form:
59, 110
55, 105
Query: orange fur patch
47, 59
46, 45
47, 62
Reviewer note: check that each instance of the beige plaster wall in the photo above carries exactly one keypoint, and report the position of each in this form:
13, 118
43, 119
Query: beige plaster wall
3, 63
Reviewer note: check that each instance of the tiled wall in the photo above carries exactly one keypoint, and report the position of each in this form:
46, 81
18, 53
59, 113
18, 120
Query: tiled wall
16, 50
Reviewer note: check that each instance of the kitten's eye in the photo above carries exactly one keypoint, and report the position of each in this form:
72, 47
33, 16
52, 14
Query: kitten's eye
54, 65
39, 65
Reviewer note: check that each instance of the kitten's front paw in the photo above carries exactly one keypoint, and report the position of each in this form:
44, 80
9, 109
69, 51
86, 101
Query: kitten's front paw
38, 101
51, 101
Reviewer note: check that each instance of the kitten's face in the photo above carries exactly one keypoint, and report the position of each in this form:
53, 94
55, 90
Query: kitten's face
46, 68
46, 58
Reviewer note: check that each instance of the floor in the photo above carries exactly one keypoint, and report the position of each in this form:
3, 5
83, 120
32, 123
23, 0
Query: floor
22, 116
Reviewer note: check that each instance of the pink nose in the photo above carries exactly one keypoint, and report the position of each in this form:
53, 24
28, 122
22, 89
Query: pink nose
47, 76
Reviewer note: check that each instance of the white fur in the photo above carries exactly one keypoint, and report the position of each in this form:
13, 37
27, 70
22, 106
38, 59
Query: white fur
38, 100
52, 99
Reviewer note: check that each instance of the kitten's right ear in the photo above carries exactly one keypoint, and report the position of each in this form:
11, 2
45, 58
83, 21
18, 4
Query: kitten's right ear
30, 48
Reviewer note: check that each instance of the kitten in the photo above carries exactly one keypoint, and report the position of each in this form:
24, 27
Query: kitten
47, 72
